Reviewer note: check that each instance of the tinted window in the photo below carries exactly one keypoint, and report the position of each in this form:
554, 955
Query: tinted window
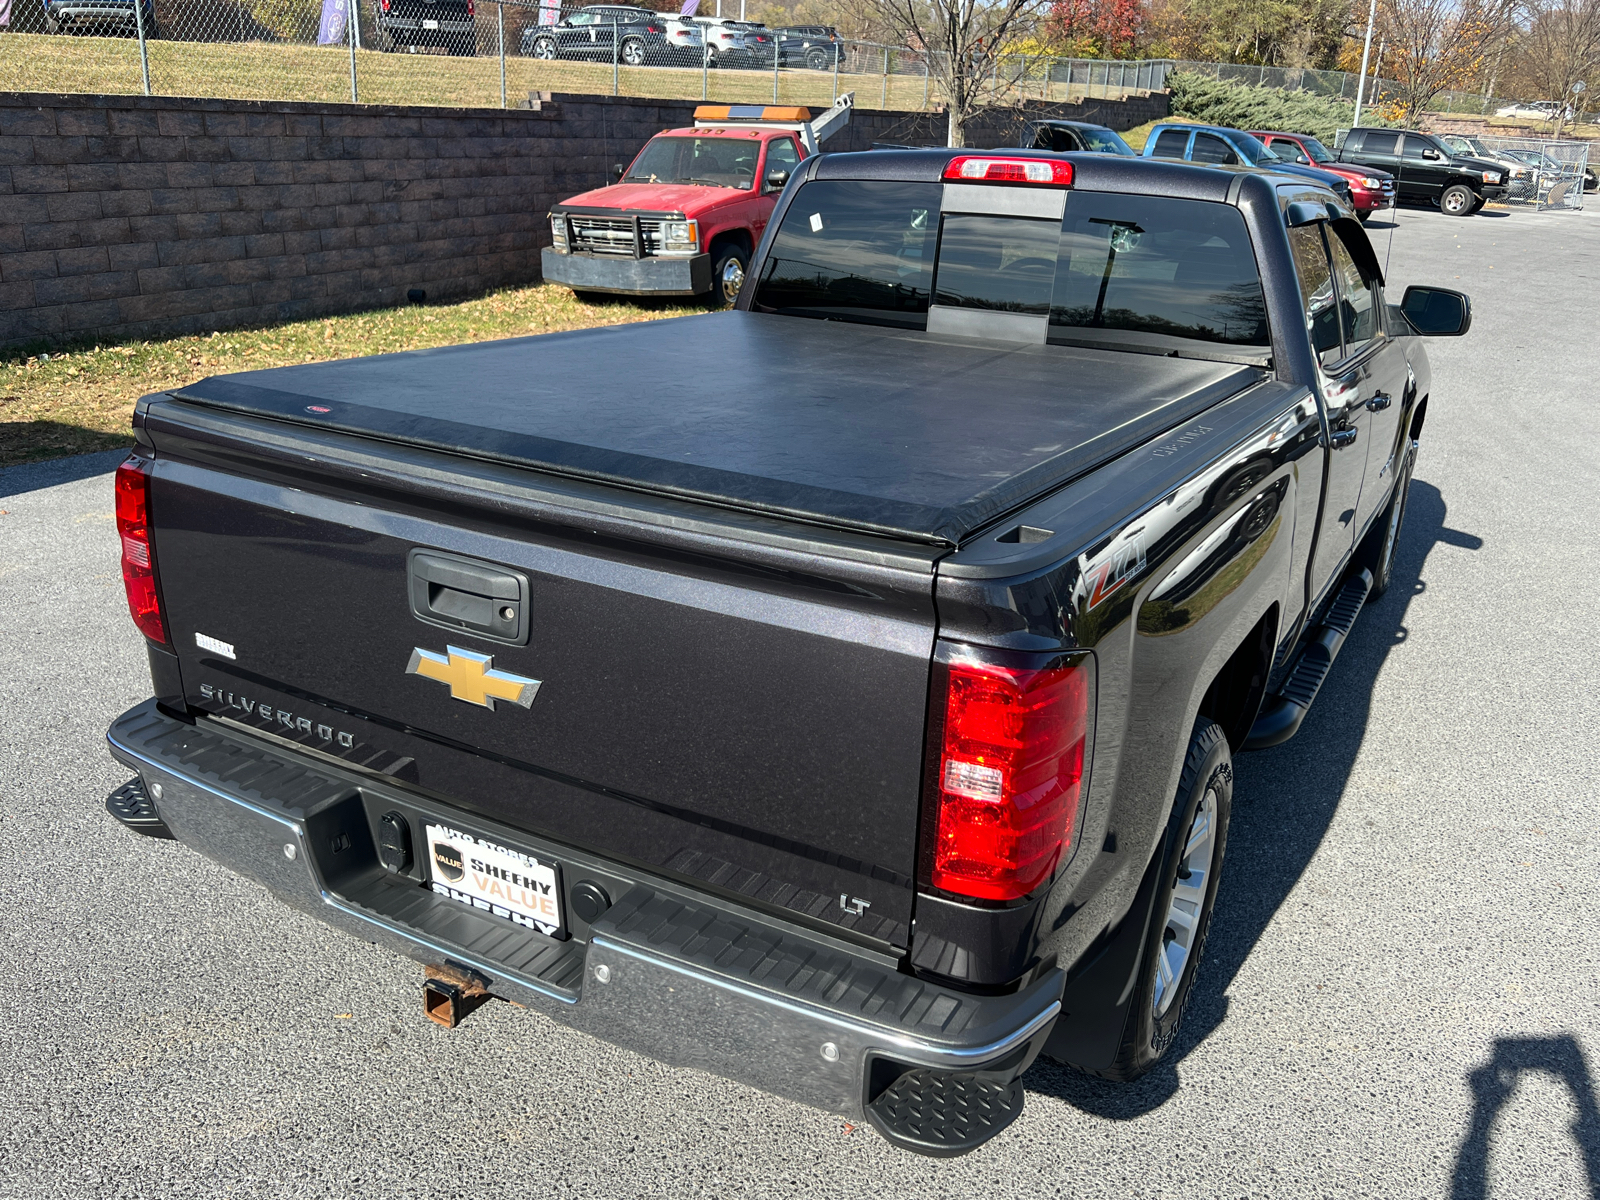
1208, 148
1052, 138
1103, 141
1004, 264
1150, 265
1358, 309
1171, 143
1416, 145
1316, 291
1380, 143
855, 252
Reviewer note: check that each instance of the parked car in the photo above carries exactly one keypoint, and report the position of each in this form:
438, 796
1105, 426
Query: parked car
1234, 147
639, 35
815, 47
1060, 135
412, 25
1371, 190
99, 17
1426, 171
725, 42
760, 44
838, 694
1520, 176
1549, 171
685, 216
1535, 110
686, 41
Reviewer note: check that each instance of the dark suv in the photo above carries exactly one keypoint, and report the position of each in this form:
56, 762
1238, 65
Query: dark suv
1427, 171
640, 33
816, 47
411, 25
1060, 135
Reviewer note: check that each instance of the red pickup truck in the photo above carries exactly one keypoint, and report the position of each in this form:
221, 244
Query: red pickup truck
684, 219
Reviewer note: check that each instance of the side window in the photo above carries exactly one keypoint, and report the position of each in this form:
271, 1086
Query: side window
782, 156
1358, 302
1415, 146
1171, 143
1316, 291
1380, 143
1211, 149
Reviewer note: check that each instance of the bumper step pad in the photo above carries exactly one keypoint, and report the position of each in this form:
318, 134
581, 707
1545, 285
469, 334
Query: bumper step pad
131, 805
941, 1114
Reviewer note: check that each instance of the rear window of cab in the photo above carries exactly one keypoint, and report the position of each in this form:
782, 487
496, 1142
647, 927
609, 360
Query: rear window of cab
1125, 271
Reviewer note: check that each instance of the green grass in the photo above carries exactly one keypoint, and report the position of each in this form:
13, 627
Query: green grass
283, 71
70, 400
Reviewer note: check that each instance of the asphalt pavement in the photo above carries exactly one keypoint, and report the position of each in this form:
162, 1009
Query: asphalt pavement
1400, 996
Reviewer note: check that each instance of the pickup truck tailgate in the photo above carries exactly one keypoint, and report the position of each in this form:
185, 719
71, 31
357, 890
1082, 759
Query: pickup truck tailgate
726, 693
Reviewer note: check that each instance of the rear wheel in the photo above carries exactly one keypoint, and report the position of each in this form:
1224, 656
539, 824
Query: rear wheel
1186, 895
817, 59
1378, 554
1458, 200
544, 48
632, 52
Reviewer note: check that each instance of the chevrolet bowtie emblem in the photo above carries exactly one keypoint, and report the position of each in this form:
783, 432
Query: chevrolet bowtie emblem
471, 677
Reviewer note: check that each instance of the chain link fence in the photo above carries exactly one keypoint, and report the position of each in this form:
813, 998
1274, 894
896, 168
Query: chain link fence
495, 52
1546, 174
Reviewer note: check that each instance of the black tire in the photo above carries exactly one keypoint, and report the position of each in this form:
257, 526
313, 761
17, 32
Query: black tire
632, 52
723, 279
1378, 553
544, 48
1458, 200
51, 25
817, 58
711, 59
1154, 1017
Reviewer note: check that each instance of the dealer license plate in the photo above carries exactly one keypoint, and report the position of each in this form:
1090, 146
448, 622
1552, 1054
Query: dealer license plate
430, 24
494, 878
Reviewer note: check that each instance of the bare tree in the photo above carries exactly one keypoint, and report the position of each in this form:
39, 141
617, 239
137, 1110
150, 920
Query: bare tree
1559, 49
1437, 45
969, 46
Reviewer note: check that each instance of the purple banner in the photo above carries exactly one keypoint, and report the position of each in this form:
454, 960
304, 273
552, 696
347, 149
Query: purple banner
334, 13
690, 7
5, 12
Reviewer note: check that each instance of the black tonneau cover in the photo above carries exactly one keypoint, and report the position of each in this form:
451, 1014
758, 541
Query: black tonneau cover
894, 432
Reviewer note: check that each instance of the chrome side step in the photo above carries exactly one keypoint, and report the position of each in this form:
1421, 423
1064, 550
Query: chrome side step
1281, 714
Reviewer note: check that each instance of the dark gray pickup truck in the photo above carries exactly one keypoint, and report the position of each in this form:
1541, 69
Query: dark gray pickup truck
855, 721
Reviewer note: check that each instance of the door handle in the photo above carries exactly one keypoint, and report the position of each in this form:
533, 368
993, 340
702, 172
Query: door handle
1341, 439
1379, 402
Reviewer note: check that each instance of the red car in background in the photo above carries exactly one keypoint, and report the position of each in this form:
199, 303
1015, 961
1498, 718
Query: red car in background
685, 217
1370, 189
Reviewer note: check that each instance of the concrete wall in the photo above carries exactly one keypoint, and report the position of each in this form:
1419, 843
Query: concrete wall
141, 217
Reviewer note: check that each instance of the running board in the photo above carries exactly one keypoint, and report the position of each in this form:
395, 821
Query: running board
1281, 714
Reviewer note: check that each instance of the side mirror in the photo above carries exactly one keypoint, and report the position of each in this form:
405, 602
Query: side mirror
619, 170
1437, 312
776, 179
1302, 160
1432, 154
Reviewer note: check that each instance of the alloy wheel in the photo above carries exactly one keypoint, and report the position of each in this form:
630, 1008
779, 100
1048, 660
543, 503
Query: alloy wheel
1185, 903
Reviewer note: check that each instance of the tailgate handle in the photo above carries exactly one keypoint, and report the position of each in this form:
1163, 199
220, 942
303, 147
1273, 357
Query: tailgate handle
462, 593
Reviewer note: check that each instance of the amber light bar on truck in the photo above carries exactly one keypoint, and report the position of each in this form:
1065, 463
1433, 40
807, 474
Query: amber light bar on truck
984, 168
138, 558
1002, 799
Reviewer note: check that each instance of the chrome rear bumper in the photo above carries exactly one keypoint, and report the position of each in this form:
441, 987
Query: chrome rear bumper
683, 977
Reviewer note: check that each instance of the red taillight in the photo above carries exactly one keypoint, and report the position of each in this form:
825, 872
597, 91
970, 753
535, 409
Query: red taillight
138, 559
385, 4
967, 168
655, 28
1010, 769
472, 10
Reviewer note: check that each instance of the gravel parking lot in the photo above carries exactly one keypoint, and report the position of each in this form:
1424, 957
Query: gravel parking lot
1400, 997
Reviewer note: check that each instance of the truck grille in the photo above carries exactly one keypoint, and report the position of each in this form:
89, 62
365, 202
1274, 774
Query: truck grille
614, 235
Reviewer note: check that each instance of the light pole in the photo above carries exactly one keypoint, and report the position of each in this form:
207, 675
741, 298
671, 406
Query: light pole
1366, 49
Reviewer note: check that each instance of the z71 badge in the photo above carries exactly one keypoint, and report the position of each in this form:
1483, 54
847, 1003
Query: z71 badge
471, 677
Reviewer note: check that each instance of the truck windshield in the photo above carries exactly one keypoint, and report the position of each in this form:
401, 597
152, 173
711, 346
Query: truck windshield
709, 161
1142, 273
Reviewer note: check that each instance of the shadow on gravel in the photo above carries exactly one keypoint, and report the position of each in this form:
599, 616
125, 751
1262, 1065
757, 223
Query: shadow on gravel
1493, 1084
1283, 803
30, 477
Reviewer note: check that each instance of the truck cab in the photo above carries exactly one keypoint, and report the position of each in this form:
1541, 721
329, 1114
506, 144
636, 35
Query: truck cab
1428, 171
684, 218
